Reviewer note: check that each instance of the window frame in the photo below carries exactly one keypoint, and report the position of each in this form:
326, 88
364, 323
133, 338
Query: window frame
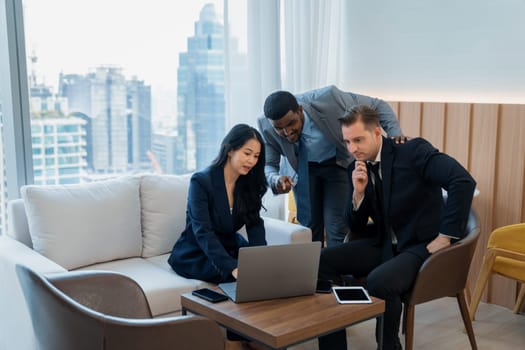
15, 98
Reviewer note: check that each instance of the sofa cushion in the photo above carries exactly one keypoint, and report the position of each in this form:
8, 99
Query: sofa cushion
163, 203
162, 287
79, 225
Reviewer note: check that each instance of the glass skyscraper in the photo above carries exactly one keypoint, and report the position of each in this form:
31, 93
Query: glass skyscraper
138, 107
58, 139
58, 145
118, 116
201, 103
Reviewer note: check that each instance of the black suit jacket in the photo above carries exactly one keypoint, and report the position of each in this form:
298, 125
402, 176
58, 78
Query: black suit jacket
208, 247
413, 175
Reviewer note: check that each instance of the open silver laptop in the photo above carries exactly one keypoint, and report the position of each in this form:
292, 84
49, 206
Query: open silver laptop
276, 271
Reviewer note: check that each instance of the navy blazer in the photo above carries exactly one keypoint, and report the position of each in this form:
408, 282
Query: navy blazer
208, 247
413, 175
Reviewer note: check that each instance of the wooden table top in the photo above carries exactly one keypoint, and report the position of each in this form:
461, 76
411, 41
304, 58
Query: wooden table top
280, 323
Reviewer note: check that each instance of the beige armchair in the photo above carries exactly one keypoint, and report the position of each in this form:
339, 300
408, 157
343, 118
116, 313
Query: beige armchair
106, 310
444, 274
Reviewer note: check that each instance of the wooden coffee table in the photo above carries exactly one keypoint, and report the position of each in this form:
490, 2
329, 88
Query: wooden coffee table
280, 323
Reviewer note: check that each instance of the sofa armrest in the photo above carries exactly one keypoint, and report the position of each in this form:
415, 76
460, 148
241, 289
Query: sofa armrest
16, 331
283, 232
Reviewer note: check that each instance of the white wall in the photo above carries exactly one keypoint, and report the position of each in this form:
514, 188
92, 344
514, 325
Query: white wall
430, 50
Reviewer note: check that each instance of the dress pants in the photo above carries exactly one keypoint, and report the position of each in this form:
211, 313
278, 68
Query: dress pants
387, 280
329, 193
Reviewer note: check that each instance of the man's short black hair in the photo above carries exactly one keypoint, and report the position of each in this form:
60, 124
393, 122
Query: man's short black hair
278, 104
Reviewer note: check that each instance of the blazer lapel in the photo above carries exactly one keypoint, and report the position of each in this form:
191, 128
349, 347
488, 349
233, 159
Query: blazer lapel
221, 197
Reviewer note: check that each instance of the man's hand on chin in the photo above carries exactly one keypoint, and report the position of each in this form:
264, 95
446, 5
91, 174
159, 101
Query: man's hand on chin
440, 242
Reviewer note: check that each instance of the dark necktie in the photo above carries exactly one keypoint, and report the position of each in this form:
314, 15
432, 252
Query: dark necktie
302, 188
378, 186
378, 193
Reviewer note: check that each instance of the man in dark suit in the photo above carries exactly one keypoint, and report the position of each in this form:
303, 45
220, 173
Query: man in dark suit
304, 130
398, 186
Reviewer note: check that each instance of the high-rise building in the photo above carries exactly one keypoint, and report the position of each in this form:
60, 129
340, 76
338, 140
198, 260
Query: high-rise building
118, 116
138, 103
76, 89
200, 102
164, 148
109, 121
58, 145
58, 141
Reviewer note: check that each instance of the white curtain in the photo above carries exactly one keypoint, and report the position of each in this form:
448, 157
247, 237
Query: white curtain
313, 43
263, 50
252, 77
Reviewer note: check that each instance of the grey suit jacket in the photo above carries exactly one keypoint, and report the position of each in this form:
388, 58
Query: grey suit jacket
324, 106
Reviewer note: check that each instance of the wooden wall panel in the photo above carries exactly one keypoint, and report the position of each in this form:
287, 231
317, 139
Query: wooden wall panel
410, 118
523, 201
482, 166
433, 124
508, 197
458, 132
511, 161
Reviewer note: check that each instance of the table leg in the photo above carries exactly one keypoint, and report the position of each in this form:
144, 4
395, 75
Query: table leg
184, 312
380, 340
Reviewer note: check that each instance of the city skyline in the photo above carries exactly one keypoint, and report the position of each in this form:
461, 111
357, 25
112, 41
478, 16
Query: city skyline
146, 42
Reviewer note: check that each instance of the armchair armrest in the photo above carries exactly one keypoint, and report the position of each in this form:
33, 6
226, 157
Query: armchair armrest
106, 292
181, 332
283, 232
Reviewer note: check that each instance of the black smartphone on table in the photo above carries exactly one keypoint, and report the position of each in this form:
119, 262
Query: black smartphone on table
323, 286
210, 295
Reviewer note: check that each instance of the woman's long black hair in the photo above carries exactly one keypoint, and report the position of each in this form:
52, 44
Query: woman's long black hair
249, 188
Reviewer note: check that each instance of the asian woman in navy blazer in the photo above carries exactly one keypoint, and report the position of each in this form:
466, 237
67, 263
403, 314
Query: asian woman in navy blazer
221, 200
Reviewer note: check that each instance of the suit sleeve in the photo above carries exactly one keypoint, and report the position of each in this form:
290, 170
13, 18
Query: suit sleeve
441, 169
272, 155
198, 211
256, 233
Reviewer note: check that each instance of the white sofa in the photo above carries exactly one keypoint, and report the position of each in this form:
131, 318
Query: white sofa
127, 225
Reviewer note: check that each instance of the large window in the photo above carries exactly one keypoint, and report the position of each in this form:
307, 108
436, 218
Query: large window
126, 85
103, 88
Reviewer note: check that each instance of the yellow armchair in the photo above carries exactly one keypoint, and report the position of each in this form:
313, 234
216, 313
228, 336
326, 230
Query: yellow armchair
505, 256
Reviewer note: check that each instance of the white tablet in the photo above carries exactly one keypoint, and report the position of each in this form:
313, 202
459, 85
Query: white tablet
351, 295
